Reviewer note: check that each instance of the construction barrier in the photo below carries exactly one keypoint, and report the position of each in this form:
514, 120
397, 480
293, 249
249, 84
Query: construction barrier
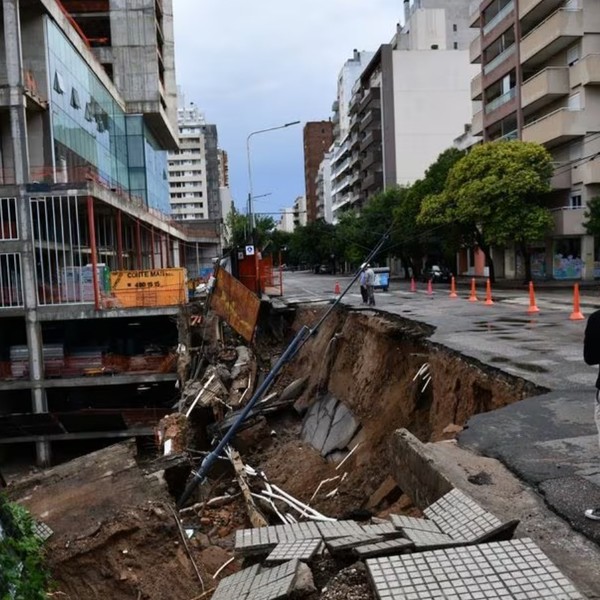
153, 287
453, 293
488, 293
576, 315
473, 296
413, 285
532, 305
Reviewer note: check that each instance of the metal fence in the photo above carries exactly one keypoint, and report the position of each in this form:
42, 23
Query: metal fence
11, 282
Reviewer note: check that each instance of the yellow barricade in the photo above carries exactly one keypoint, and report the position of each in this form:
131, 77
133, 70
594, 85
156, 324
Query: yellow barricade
153, 287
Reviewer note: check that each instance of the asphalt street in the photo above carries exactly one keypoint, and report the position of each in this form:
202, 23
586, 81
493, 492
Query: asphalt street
550, 440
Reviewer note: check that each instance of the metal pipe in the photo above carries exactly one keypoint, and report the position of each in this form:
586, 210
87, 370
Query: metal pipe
120, 239
207, 463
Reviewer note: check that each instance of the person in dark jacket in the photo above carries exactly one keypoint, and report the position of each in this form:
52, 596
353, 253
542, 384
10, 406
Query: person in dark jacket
591, 355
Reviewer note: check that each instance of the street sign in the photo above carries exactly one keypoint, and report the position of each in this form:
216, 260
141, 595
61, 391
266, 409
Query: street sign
249, 250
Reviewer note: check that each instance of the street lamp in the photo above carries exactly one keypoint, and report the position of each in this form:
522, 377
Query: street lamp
250, 197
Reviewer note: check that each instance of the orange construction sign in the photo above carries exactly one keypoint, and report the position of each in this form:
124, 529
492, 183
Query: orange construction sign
153, 287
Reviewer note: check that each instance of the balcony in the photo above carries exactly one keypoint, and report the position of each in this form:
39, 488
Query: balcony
586, 71
498, 60
561, 180
502, 14
534, 11
557, 127
554, 34
372, 116
370, 159
372, 137
370, 97
475, 50
372, 180
496, 103
590, 172
545, 87
568, 221
477, 126
476, 87
475, 14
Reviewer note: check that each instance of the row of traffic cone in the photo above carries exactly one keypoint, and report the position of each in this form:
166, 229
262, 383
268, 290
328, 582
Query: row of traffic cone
576, 315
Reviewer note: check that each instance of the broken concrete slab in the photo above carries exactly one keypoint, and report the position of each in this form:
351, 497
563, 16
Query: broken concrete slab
294, 390
329, 425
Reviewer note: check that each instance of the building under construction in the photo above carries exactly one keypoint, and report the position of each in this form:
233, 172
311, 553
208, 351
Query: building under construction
91, 267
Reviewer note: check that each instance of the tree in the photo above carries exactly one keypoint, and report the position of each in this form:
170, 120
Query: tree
239, 229
411, 239
592, 214
495, 195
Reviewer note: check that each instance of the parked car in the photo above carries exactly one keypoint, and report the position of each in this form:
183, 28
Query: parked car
437, 274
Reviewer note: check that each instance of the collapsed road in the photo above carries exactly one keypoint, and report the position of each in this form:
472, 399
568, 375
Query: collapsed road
329, 441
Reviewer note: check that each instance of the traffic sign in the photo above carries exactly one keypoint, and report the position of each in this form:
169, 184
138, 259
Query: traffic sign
249, 250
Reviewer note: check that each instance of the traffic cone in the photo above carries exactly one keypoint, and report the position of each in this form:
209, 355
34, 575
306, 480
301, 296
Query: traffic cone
413, 285
576, 315
532, 305
429, 288
453, 293
488, 293
336, 289
473, 296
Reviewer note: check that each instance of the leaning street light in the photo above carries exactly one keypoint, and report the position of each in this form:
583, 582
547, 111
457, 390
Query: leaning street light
250, 196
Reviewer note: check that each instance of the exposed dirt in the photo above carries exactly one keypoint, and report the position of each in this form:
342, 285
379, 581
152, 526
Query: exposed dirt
369, 363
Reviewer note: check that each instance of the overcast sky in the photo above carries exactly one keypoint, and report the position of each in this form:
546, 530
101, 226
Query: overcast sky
255, 64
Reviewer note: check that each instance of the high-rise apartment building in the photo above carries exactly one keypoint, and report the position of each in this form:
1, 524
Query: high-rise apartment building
84, 131
223, 168
318, 137
194, 170
340, 150
408, 104
538, 81
300, 212
323, 182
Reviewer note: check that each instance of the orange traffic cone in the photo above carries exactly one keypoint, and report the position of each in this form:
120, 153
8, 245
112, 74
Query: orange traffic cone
336, 289
453, 293
429, 288
413, 285
473, 296
488, 293
532, 305
576, 315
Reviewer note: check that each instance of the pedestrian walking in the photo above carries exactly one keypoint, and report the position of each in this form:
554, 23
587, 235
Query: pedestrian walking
363, 286
370, 283
591, 355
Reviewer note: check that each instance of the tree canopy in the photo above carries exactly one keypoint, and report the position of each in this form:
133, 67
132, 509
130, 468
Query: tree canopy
495, 195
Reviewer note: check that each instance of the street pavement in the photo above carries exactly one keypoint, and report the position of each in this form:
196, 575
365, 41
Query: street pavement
549, 440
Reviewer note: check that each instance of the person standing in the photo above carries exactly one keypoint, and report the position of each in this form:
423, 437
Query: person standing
363, 287
591, 356
370, 283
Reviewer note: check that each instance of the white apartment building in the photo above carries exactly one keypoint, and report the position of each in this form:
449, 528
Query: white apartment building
323, 181
299, 212
286, 222
194, 169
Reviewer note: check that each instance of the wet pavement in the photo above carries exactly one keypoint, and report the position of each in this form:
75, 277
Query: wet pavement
550, 440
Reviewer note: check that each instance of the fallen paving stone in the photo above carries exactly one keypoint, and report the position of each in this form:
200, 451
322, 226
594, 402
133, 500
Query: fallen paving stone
300, 549
384, 548
344, 544
342, 430
499, 570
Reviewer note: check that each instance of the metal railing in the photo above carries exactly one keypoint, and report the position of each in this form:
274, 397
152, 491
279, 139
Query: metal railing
498, 60
11, 282
502, 14
500, 101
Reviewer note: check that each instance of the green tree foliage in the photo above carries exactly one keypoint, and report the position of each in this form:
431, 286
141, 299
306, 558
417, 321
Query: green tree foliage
239, 229
495, 195
314, 244
411, 239
22, 572
592, 214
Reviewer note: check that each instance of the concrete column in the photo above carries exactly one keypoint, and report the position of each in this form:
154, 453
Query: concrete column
510, 264
176, 261
14, 71
587, 256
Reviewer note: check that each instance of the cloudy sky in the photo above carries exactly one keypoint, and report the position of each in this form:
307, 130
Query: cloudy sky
255, 64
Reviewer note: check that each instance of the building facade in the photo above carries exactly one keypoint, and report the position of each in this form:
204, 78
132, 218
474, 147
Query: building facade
318, 137
83, 176
538, 81
323, 182
340, 150
299, 212
408, 104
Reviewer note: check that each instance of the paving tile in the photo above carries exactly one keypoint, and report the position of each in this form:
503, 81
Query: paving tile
402, 522
41, 531
425, 540
516, 569
299, 549
332, 529
384, 548
343, 544
386, 529
461, 517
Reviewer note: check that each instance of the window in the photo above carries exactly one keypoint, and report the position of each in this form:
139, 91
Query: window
574, 102
573, 55
75, 103
456, 45
575, 200
455, 27
59, 84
